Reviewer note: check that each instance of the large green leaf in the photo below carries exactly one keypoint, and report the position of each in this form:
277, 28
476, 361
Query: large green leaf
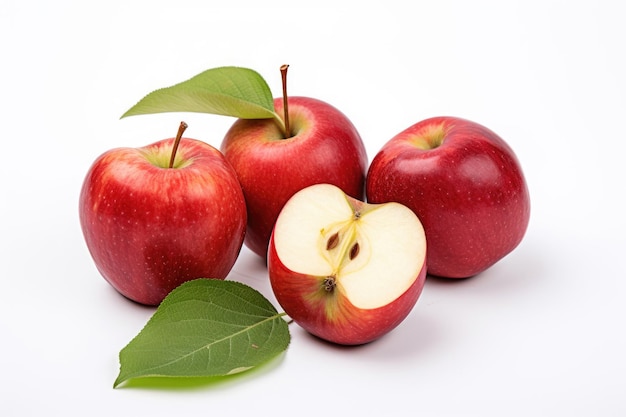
228, 91
204, 328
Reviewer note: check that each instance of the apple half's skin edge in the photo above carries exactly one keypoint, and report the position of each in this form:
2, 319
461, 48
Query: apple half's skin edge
360, 326
386, 183
110, 209
327, 167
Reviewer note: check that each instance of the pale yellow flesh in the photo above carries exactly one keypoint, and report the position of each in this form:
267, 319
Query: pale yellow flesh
392, 244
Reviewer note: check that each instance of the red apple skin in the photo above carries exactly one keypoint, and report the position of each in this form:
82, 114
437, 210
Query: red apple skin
325, 148
149, 229
469, 193
303, 299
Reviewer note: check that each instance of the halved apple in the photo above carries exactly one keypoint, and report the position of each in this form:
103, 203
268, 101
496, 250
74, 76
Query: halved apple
345, 270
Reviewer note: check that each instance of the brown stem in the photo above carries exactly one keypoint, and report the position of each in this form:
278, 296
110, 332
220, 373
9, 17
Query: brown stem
283, 72
179, 135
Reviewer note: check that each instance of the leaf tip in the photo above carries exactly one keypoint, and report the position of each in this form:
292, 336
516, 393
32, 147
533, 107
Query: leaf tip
118, 381
130, 112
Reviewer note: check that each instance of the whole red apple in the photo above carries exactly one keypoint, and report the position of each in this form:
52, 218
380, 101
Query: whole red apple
344, 270
464, 183
323, 147
150, 227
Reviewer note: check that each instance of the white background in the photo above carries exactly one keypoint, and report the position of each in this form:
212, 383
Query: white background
541, 333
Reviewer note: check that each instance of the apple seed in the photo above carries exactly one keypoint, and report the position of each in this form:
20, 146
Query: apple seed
332, 241
354, 251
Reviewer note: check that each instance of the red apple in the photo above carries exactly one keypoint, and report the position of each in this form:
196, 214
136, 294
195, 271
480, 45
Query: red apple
464, 183
323, 147
344, 270
149, 227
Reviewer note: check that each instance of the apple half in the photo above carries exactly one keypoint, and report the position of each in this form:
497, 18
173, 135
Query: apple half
344, 270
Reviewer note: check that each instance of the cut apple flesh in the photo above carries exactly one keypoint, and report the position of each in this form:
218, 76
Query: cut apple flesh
371, 253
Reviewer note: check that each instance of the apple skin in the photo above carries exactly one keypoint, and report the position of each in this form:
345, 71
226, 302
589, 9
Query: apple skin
325, 148
149, 228
469, 192
350, 325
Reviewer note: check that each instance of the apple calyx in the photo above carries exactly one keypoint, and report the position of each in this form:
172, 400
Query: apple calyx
430, 137
181, 129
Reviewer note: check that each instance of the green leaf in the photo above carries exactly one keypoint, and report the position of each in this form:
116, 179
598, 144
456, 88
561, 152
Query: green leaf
228, 91
206, 328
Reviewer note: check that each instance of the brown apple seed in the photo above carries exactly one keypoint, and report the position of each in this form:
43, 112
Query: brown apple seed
354, 251
332, 241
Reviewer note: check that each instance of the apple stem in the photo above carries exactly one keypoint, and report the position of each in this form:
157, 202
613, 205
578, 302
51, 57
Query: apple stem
283, 72
181, 129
